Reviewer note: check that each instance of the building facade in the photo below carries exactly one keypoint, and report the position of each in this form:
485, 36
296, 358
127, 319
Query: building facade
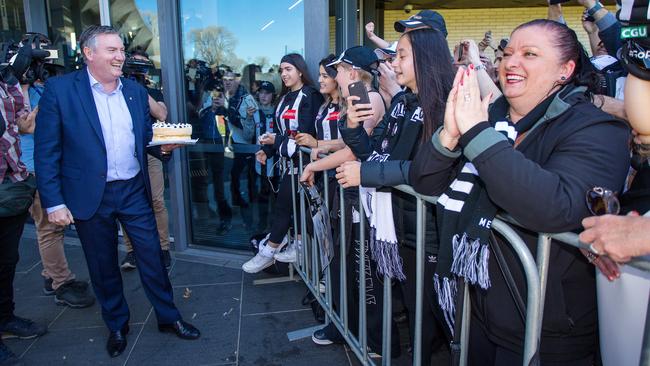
214, 193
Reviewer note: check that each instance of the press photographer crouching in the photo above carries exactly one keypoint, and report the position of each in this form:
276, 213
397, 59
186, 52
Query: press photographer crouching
138, 67
17, 187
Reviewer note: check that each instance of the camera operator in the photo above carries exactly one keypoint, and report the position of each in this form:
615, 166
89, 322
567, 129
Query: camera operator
137, 68
58, 280
17, 188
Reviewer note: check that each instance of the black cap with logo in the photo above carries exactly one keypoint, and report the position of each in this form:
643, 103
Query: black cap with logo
267, 86
424, 19
359, 57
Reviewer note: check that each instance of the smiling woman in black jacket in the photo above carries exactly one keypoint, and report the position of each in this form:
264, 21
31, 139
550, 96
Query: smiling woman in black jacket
534, 155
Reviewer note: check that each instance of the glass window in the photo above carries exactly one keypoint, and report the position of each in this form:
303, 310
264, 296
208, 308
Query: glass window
228, 48
12, 20
66, 20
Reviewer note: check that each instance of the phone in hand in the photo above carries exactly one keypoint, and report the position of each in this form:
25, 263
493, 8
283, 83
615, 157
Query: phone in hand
358, 89
554, 2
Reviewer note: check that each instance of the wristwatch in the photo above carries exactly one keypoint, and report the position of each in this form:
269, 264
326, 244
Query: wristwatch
591, 11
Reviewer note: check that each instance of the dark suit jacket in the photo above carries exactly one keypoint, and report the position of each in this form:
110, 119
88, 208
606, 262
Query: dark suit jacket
69, 149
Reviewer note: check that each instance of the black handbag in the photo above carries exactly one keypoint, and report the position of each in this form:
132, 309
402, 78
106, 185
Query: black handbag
16, 197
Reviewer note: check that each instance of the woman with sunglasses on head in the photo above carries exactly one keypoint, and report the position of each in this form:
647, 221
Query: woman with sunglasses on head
532, 154
422, 65
295, 113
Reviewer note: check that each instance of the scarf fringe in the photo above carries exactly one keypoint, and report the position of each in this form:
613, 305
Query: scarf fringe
446, 292
386, 255
470, 260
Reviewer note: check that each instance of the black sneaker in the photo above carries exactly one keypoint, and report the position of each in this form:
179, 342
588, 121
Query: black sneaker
47, 286
8, 358
22, 328
167, 259
129, 261
327, 335
74, 294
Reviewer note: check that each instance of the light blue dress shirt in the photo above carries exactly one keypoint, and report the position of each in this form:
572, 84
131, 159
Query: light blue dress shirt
117, 130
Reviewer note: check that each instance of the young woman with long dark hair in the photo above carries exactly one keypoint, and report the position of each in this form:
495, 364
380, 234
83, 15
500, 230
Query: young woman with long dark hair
295, 113
423, 67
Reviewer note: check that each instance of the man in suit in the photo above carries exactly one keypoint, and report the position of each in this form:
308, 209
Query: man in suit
91, 162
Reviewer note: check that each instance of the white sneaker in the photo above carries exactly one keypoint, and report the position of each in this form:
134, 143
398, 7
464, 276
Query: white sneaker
263, 258
289, 255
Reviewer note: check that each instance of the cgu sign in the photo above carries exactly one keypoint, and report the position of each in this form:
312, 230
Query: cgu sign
634, 32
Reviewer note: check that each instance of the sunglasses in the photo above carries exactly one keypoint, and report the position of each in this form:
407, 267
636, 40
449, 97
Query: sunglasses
602, 201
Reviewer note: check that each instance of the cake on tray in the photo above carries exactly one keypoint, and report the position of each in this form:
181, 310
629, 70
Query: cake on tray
163, 131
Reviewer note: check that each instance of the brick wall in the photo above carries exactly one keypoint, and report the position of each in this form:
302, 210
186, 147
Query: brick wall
473, 23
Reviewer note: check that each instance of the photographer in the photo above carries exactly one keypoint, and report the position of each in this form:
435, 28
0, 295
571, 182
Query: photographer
16, 195
58, 279
137, 68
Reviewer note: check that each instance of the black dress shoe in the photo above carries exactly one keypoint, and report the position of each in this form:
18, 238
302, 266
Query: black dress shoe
116, 343
181, 328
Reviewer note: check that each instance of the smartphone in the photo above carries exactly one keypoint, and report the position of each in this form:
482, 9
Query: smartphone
358, 89
460, 51
553, 2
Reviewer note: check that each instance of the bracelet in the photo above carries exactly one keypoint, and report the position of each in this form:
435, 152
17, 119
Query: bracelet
591, 11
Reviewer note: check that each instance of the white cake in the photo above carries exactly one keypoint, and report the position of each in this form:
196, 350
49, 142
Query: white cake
163, 131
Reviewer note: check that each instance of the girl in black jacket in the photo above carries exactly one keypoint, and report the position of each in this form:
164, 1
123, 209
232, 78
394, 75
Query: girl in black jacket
423, 66
534, 154
294, 114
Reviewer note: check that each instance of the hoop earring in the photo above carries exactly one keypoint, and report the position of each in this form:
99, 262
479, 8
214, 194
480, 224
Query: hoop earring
563, 78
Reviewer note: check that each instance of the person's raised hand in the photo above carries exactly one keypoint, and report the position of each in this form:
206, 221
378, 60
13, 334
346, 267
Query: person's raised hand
370, 30
450, 134
470, 109
589, 26
250, 111
61, 217
388, 79
305, 139
349, 174
358, 113
260, 156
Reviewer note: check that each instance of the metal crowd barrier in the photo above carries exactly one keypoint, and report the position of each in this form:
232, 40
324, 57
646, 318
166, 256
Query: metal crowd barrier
535, 268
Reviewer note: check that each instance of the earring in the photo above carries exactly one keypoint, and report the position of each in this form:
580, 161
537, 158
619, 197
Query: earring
563, 78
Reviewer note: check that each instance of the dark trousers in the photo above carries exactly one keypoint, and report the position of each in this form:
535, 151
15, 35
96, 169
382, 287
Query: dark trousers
483, 352
215, 164
374, 293
433, 334
11, 229
127, 202
283, 209
242, 163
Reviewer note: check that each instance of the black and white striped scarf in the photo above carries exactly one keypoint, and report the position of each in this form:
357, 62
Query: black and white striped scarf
465, 213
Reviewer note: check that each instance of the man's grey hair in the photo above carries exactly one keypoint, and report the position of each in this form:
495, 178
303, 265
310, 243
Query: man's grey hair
89, 36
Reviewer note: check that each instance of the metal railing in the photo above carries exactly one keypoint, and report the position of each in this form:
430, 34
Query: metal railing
535, 270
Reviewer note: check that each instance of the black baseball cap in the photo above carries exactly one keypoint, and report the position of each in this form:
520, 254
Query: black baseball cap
359, 57
267, 86
425, 18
